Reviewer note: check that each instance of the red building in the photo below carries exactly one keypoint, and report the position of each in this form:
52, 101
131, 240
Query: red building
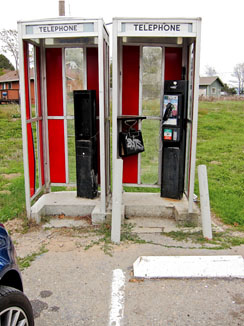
9, 87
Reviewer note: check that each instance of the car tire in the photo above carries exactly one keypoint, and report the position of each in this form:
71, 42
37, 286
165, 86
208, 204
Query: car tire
15, 307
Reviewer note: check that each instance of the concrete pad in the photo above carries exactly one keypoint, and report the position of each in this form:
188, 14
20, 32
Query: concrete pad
147, 204
189, 267
63, 202
152, 205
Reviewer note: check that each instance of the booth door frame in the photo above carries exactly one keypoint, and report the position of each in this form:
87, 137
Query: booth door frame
103, 118
184, 62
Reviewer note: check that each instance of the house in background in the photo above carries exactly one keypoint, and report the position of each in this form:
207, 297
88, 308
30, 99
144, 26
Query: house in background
9, 87
210, 86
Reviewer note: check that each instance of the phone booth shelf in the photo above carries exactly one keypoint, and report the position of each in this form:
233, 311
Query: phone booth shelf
63, 55
177, 41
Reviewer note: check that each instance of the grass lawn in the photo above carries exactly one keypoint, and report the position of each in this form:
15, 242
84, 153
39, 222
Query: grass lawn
220, 147
12, 196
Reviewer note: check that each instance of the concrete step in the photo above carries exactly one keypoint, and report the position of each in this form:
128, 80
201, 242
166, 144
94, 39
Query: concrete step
146, 224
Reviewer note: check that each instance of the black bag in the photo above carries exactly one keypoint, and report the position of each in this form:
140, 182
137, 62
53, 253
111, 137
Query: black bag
130, 142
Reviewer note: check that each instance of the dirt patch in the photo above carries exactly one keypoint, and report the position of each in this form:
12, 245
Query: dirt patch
215, 163
11, 176
14, 226
5, 192
29, 241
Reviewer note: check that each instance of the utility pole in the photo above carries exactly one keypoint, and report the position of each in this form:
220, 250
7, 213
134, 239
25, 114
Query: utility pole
61, 7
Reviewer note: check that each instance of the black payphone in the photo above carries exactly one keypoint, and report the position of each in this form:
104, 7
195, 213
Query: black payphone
173, 137
86, 143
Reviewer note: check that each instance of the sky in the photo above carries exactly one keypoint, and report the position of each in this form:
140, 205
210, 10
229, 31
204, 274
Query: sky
222, 37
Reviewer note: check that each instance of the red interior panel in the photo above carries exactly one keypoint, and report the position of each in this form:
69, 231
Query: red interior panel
93, 84
38, 79
92, 73
130, 103
31, 159
54, 82
56, 150
55, 108
41, 151
173, 63
26, 72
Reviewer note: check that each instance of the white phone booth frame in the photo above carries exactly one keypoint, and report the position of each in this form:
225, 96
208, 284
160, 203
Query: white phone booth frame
59, 33
164, 32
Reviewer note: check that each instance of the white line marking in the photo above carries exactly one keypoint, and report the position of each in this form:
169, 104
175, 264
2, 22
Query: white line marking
117, 298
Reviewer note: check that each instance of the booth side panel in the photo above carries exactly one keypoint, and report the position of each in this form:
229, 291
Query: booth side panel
41, 152
56, 151
31, 159
173, 63
38, 79
130, 103
54, 82
93, 84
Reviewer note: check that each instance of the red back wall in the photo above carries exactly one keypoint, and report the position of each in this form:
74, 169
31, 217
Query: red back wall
55, 108
130, 103
173, 63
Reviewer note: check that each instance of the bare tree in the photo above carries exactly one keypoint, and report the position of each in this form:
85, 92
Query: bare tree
238, 73
9, 38
210, 71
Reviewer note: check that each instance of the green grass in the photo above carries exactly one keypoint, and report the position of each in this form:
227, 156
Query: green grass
26, 261
103, 232
12, 197
221, 240
149, 158
221, 148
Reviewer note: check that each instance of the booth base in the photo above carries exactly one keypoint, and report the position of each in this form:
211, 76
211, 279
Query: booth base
147, 207
68, 204
152, 205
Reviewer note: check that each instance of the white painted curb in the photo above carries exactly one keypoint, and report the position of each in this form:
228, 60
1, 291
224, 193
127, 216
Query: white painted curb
189, 266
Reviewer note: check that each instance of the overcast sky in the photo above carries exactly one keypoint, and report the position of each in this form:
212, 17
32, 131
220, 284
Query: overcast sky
222, 42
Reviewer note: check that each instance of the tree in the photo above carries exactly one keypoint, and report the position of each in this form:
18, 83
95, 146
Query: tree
9, 39
210, 71
5, 63
229, 90
238, 73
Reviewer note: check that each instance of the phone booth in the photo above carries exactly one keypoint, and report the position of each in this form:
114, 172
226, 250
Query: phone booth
66, 131
155, 104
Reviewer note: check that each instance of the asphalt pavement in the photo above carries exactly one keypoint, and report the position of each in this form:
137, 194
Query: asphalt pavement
73, 285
